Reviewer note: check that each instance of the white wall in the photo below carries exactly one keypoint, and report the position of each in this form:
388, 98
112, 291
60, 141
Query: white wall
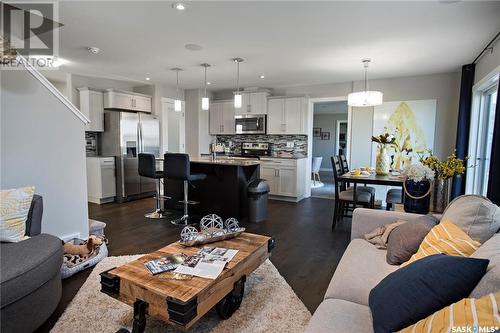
326, 148
43, 144
487, 63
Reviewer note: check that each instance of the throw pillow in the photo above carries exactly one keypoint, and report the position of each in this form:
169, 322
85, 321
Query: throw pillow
490, 282
476, 315
414, 292
14, 207
477, 216
445, 238
404, 241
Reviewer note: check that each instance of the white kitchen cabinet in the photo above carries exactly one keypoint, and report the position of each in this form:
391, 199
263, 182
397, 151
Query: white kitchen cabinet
126, 100
253, 103
275, 116
91, 105
221, 118
287, 116
286, 177
142, 103
101, 181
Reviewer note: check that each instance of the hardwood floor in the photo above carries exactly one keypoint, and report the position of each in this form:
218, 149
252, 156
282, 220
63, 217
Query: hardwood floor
306, 253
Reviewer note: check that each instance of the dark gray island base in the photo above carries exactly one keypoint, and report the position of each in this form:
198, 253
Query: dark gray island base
223, 192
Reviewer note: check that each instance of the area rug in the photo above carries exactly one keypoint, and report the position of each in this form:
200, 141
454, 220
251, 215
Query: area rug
269, 305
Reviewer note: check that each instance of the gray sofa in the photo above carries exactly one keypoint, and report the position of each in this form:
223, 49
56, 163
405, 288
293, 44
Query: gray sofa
362, 267
30, 276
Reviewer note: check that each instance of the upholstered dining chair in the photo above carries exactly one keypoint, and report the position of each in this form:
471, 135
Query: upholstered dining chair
344, 198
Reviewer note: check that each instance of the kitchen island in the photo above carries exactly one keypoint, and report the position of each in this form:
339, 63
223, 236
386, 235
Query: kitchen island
223, 192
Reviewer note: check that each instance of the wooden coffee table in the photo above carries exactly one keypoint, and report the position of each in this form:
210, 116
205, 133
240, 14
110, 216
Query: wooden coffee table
183, 302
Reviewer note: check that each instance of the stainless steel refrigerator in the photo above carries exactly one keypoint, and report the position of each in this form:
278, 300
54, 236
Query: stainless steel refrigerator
126, 134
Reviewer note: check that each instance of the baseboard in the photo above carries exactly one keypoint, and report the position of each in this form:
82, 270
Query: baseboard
70, 237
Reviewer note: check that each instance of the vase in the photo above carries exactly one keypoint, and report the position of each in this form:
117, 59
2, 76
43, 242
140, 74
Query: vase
383, 161
440, 195
417, 196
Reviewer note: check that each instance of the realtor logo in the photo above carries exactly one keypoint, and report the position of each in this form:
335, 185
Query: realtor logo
30, 29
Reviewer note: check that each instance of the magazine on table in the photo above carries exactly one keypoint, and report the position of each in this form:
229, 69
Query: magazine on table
207, 263
166, 263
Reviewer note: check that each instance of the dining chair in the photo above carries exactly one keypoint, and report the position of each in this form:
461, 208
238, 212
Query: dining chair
344, 198
345, 169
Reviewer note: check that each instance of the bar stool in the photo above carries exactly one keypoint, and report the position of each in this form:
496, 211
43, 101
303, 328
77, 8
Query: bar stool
147, 168
177, 166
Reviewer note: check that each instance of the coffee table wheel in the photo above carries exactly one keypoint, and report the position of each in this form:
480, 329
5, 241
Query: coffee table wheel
139, 324
229, 304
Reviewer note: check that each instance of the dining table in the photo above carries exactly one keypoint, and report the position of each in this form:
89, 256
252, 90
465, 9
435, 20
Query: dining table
371, 179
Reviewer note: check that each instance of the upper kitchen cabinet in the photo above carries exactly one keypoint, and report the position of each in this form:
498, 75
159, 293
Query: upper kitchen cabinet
126, 100
253, 103
287, 115
92, 105
221, 118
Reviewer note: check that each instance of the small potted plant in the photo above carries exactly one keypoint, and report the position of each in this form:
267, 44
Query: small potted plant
444, 170
417, 187
383, 161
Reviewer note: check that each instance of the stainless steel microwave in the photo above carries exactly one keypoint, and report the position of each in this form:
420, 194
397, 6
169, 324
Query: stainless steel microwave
250, 124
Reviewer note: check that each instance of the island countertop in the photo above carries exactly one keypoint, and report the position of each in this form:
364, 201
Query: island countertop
236, 161
227, 161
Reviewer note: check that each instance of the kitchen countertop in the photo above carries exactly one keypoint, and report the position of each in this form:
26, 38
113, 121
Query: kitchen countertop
237, 161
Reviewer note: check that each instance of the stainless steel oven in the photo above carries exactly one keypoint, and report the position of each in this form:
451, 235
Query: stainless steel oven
250, 124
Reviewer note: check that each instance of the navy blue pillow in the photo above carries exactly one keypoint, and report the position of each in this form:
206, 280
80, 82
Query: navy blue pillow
423, 287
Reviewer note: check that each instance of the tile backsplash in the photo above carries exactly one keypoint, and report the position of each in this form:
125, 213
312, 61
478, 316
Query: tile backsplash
279, 142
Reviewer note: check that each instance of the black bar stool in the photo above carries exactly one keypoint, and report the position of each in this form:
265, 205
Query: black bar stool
147, 168
177, 166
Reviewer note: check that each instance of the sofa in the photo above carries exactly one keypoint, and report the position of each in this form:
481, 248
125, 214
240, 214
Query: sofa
345, 304
30, 281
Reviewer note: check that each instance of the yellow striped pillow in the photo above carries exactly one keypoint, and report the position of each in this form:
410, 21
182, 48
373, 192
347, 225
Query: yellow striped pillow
445, 238
466, 315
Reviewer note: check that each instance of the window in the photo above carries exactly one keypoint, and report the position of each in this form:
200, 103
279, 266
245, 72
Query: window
481, 137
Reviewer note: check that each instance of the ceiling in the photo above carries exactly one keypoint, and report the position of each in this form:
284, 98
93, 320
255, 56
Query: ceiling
336, 107
290, 42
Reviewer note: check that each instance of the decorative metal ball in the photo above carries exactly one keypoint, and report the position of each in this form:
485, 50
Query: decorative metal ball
188, 233
211, 221
232, 224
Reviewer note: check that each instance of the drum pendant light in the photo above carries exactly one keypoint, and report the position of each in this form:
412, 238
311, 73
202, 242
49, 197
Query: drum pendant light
366, 97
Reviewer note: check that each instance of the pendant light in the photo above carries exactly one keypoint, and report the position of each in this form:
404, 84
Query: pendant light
366, 97
205, 102
237, 95
177, 101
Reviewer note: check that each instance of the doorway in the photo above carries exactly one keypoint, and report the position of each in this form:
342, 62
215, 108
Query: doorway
330, 126
481, 136
173, 137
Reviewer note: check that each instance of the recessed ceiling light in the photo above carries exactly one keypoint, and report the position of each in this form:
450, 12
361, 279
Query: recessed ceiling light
209, 83
193, 47
262, 77
179, 6
93, 49
148, 78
